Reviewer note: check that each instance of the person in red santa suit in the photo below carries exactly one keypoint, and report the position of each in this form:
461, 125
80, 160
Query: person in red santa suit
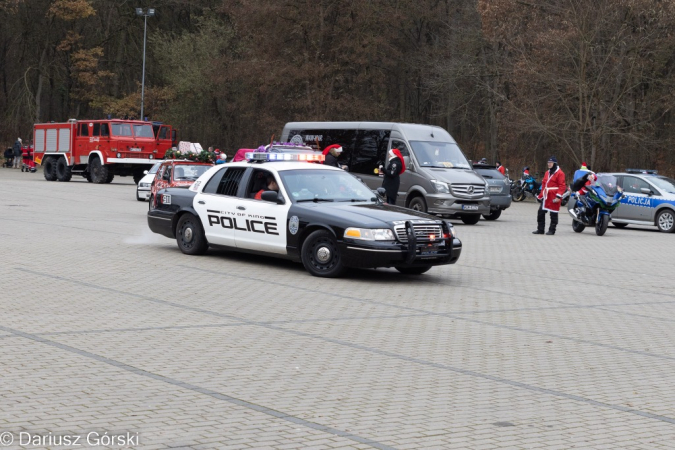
552, 189
501, 168
332, 153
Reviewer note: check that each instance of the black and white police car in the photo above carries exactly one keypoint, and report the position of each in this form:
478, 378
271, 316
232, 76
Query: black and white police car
321, 216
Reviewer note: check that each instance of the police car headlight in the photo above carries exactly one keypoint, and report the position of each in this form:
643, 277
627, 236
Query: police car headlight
366, 234
441, 187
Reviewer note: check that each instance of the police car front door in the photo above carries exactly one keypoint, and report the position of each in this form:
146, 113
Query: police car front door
261, 225
636, 205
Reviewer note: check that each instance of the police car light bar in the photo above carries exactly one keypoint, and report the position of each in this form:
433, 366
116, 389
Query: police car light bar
649, 172
259, 157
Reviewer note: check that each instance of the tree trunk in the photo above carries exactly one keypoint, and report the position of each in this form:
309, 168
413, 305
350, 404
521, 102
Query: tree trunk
38, 92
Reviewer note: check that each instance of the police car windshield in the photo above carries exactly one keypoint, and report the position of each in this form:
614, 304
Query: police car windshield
324, 185
439, 154
188, 172
664, 183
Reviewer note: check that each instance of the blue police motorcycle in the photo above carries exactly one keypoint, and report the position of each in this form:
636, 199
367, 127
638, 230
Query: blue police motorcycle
596, 207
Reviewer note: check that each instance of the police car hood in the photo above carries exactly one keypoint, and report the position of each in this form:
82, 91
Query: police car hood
368, 215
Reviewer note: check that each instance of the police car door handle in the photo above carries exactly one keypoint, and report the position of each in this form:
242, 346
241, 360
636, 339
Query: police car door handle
241, 208
201, 202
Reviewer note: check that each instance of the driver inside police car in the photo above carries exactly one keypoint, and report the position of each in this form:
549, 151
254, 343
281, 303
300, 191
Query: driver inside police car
271, 186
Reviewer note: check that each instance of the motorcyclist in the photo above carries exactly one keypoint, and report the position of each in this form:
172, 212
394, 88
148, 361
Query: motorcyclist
582, 178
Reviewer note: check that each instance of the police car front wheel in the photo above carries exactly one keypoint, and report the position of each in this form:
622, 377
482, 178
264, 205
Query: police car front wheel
666, 221
190, 235
321, 256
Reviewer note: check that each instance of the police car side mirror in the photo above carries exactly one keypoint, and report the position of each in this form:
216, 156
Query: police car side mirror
646, 191
145, 172
272, 196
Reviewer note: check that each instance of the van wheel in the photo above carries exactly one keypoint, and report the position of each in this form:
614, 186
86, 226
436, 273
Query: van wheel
666, 221
99, 172
320, 255
471, 219
63, 170
190, 235
49, 169
418, 204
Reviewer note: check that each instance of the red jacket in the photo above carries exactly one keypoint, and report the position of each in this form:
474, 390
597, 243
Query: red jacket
501, 170
552, 186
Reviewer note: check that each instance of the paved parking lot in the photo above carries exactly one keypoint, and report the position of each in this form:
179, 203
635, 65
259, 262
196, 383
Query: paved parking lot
551, 342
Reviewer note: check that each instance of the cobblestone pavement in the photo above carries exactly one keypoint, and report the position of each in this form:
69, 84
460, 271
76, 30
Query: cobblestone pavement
552, 342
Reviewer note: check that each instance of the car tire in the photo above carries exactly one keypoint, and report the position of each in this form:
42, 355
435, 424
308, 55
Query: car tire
577, 226
418, 204
665, 221
413, 270
620, 225
63, 170
190, 235
49, 168
99, 173
470, 219
320, 255
494, 215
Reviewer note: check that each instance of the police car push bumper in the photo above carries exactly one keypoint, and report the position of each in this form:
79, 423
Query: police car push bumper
391, 253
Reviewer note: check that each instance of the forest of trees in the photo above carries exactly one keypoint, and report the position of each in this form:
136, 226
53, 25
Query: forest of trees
515, 80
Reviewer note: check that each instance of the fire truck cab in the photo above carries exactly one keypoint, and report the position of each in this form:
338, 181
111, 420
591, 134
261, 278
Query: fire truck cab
100, 149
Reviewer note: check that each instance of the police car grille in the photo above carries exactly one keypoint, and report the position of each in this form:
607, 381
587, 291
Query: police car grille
422, 232
468, 190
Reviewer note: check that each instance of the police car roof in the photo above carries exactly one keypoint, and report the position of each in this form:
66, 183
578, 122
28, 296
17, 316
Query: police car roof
283, 165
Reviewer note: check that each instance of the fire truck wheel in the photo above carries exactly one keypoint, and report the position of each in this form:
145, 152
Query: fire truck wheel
87, 175
110, 177
49, 168
99, 172
63, 172
190, 235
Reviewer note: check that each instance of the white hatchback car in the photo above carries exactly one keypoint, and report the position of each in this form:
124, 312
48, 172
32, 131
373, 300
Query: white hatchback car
143, 188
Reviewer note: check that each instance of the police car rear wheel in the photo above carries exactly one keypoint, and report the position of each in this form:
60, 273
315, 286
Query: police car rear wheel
320, 255
413, 270
190, 236
666, 221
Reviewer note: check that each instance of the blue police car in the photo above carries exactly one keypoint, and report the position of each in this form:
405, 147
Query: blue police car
649, 200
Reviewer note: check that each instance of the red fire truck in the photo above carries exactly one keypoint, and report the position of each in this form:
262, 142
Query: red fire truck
100, 149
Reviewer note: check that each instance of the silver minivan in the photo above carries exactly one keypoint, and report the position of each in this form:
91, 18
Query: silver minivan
438, 177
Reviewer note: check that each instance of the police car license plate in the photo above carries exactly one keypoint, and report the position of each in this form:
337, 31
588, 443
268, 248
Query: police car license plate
431, 249
166, 199
470, 207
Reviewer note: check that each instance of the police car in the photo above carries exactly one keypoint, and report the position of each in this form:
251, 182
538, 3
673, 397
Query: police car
649, 200
318, 215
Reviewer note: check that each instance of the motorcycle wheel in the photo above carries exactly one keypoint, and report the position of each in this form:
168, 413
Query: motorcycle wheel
518, 194
601, 225
577, 226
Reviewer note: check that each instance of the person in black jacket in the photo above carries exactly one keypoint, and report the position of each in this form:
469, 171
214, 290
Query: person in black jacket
332, 153
17, 153
392, 174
